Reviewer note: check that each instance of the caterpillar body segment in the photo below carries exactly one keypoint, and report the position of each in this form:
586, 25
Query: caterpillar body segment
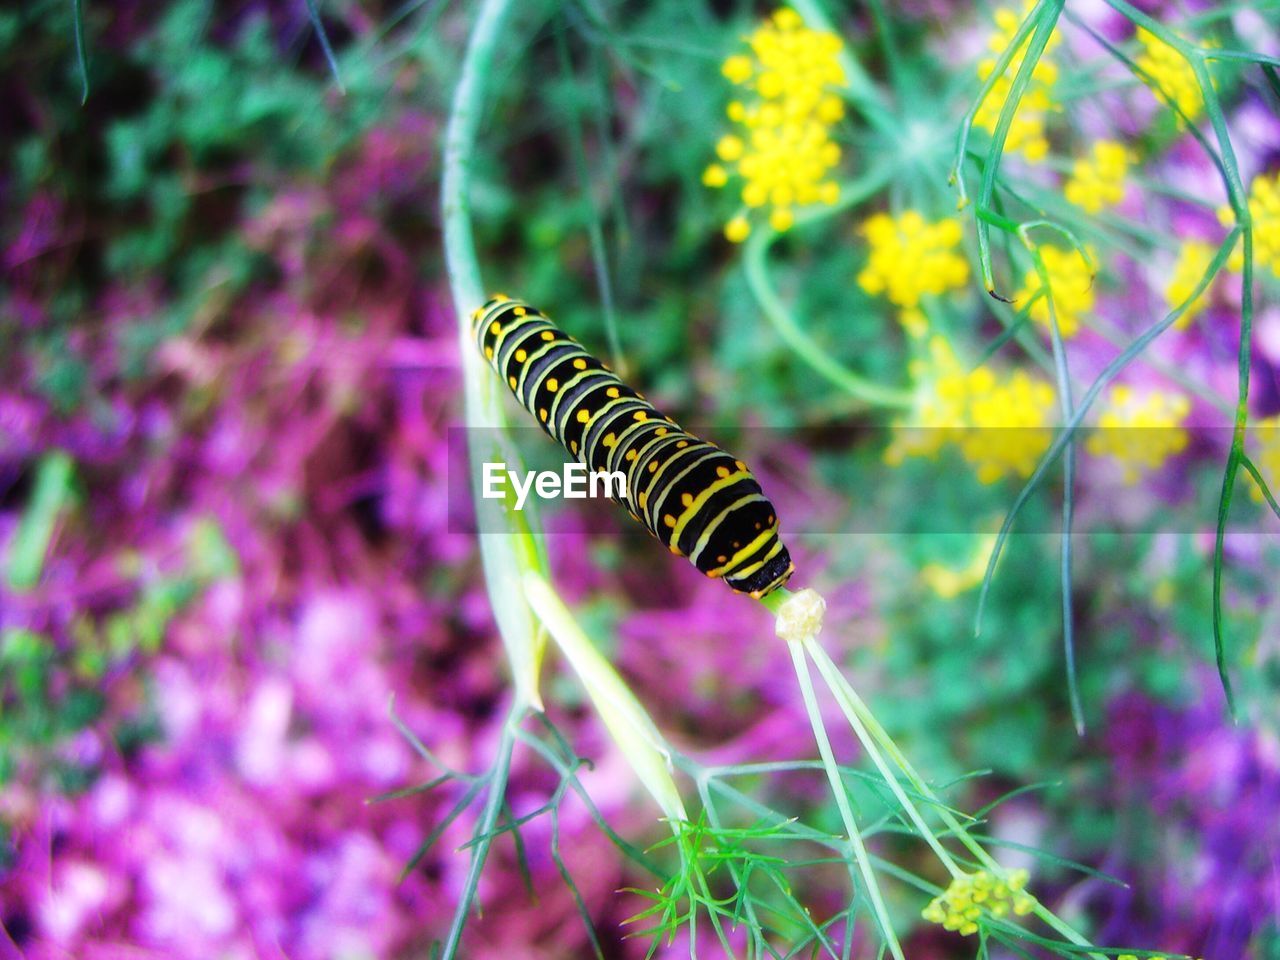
697, 499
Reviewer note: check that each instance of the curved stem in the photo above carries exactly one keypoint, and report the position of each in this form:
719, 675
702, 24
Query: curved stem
755, 263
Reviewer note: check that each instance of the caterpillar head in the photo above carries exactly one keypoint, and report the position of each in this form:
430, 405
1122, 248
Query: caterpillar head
775, 571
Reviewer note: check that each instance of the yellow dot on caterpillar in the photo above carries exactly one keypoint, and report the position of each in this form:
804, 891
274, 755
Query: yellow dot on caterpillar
488, 353
553, 385
661, 431
669, 520
641, 415
520, 311
475, 314
495, 327
736, 544
583, 416
676, 550
687, 499
711, 574
512, 381
548, 335
644, 500
722, 472
739, 464
542, 414
501, 297
631, 455
653, 466
612, 393
772, 520
521, 356
579, 364
721, 559
573, 446
609, 441
757, 524
682, 444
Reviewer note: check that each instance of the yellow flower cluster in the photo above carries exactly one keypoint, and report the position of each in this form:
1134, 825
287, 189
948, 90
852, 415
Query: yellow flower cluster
961, 906
1170, 74
911, 257
999, 422
1070, 285
1026, 133
1193, 260
782, 150
1098, 181
1267, 459
1264, 211
1141, 430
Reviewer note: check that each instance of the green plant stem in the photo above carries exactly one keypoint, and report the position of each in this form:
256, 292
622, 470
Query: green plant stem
505, 558
966, 124
1066, 404
484, 829
835, 683
630, 725
842, 801
1045, 18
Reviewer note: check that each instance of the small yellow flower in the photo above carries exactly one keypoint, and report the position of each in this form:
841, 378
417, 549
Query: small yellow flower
1070, 285
911, 257
1098, 181
1193, 260
1171, 75
971, 895
1264, 211
781, 219
1140, 430
782, 150
737, 69
737, 229
715, 176
1027, 133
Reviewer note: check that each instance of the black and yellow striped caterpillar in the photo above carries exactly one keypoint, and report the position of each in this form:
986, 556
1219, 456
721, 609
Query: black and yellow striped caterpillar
700, 501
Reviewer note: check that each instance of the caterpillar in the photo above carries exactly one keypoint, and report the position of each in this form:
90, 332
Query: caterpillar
703, 503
